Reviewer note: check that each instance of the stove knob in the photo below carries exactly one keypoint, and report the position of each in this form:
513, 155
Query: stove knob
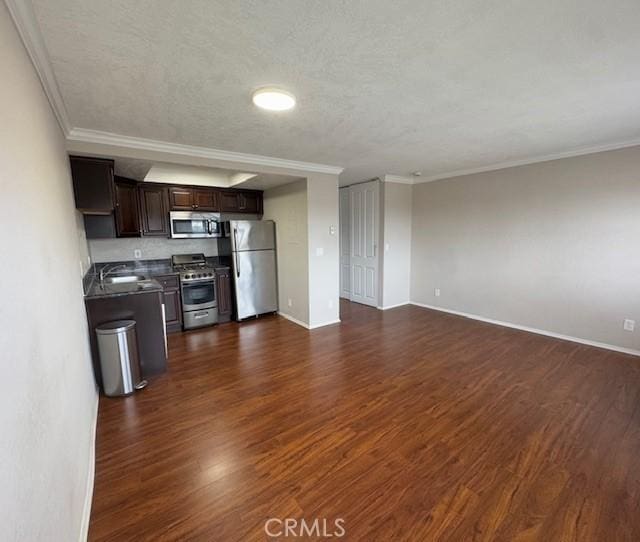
199, 275
189, 276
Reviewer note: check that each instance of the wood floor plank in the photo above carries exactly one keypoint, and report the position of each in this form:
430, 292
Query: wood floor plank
409, 424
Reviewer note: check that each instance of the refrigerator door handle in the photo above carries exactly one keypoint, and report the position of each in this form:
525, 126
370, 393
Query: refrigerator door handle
235, 242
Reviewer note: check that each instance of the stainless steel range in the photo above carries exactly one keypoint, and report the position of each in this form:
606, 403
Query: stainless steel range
198, 287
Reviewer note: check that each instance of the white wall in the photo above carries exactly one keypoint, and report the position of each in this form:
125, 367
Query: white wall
553, 246
324, 254
287, 206
396, 243
47, 396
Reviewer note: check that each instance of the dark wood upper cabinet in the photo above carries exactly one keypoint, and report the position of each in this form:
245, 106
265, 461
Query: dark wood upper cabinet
250, 202
183, 198
127, 209
228, 201
241, 201
205, 199
143, 208
180, 199
154, 214
93, 184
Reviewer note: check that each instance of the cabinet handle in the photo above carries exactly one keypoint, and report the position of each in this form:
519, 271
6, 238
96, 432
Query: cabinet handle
235, 239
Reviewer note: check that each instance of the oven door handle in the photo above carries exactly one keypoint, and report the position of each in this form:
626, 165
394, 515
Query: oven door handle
210, 227
235, 243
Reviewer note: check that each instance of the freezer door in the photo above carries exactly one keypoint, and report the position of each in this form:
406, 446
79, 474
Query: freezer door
255, 282
252, 235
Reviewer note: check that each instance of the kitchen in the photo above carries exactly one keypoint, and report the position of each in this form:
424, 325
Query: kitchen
213, 258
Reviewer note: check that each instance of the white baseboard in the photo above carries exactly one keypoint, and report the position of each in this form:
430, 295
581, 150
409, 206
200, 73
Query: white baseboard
329, 323
395, 306
532, 330
88, 497
294, 320
304, 324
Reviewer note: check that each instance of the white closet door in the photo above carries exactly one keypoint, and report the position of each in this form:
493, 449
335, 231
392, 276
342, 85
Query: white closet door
364, 243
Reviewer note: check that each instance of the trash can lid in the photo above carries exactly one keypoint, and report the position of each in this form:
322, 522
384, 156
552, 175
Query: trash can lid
110, 328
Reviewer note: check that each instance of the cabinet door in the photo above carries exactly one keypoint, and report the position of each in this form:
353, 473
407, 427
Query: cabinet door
250, 202
181, 199
223, 284
153, 210
172, 309
92, 184
205, 199
229, 201
127, 215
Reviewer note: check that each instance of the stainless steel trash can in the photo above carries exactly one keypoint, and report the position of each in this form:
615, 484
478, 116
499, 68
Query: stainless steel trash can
119, 361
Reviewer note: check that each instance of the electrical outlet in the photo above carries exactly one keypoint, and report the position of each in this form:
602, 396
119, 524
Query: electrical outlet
332, 230
436, 292
137, 253
386, 247
629, 325
289, 303
331, 303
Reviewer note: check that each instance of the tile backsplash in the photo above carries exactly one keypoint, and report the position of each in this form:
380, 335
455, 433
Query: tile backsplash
115, 250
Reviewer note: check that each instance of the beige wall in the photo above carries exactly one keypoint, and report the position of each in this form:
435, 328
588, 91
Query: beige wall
287, 206
396, 243
151, 248
324, 255
47, 396
553, 246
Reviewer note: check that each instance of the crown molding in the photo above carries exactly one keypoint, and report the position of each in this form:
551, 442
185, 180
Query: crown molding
81, 135
26, 23
583, 151
399, 179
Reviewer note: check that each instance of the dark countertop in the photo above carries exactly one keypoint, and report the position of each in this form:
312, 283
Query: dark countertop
127, 288
146, 268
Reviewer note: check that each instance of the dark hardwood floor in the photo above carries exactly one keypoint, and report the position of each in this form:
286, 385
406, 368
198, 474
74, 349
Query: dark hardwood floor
408, 424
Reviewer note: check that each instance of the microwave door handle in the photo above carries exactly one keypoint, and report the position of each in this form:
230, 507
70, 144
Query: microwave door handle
235, 242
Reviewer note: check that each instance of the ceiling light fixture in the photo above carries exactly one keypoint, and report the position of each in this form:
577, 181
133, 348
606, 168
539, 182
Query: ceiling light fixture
274, 99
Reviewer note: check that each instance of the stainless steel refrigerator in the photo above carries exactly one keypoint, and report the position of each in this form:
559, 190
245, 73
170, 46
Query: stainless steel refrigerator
253, 260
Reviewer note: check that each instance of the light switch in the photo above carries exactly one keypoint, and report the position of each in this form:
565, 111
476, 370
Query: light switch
319, 251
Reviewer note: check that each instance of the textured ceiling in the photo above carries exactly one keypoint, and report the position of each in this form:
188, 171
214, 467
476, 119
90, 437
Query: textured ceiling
382, 87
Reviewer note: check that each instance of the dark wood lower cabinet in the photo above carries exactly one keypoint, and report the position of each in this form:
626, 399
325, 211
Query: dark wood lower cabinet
146, 310
172, 301
223, 287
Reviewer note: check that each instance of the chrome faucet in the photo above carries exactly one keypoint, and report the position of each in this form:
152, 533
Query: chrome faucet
106, 270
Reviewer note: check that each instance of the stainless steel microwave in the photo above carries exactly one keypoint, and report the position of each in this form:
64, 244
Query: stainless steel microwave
190, 225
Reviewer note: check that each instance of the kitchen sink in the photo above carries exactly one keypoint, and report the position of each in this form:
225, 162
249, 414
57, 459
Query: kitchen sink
124, 279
